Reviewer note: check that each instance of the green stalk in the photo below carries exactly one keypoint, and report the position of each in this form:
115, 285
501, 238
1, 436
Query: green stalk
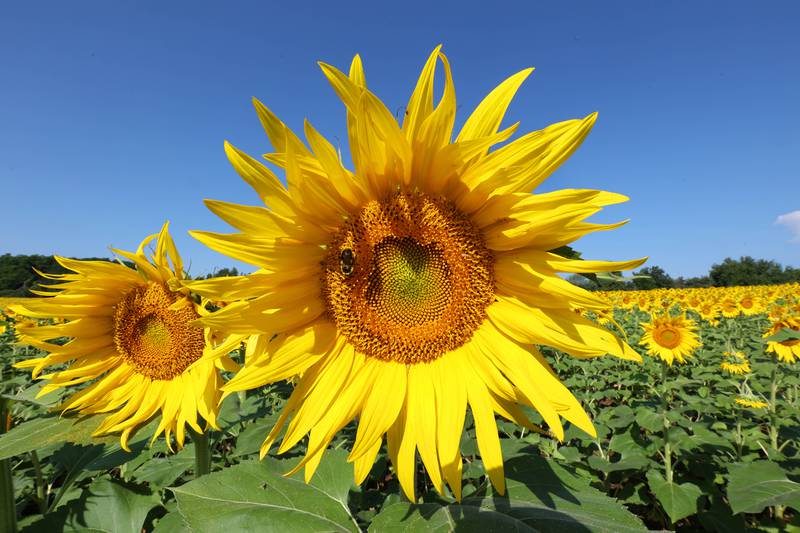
41, 494
773, 424
202, 453
8, 510
665, 407
773, 408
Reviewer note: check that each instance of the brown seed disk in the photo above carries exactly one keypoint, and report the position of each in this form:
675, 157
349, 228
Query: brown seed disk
420, 282
158, 342
667, 336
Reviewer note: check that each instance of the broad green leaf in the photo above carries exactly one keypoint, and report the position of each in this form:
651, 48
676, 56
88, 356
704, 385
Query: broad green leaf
255, 496
540, 496
434, 518
783, 335
163, 471
754, 486
105, 506
678, 500
171, 523
41, 432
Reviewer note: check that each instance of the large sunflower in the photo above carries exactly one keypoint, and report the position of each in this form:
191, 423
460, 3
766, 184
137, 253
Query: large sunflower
417, 284
133, 333
671, 338
788, 350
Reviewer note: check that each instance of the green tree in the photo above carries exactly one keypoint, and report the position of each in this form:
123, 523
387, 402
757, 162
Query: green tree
656, 278
749, 271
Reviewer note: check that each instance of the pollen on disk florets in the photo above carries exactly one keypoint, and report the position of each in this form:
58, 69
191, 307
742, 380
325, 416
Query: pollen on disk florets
417, 280
154, 333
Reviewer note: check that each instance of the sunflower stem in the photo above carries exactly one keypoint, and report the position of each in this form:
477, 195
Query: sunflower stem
665, 407
41, 494
773, 419
8, 510
202, 453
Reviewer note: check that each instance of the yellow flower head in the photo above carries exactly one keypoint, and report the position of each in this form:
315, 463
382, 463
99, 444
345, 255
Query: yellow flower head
753, 404
671, 338
750, 304
788, 350
416, 285
735, 363
135, 337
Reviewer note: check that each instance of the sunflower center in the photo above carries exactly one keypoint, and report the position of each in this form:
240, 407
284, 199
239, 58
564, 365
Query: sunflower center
408, 279
668, 337
153, 331
410, 282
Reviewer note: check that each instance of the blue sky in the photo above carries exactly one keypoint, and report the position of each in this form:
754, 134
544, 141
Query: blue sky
112, 115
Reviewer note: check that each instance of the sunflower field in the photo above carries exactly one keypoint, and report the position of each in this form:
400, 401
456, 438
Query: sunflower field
406, 355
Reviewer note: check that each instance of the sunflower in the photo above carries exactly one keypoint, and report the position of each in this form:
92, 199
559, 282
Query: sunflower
710, 311
750, 305
735, 363
415, 286
134, 337
788, 350
672, 338
753, 404
729, 308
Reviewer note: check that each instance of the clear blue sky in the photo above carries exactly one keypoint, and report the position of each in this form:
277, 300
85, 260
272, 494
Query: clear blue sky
112, 116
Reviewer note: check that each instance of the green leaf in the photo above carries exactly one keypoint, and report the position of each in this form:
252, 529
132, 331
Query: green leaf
754, 486
163, 471
540, 496
105, 506
783, 335
405, 517
255, 496
678, 500
114, 507
41, 432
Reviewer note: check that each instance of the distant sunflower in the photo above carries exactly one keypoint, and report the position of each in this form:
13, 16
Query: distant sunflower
735, 363
753, 404
750, 305
135, 337
417, 285
788, 350
729, 308
710, 311
671, 338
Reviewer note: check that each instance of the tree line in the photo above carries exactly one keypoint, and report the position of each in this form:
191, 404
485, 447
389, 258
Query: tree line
729, 273
18, 273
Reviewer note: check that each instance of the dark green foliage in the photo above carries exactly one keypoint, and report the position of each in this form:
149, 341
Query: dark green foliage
17, 275
224, 273
653, 277
730, 273
749, 271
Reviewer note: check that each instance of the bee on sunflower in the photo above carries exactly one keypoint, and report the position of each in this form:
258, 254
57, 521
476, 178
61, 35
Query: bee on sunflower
133, 334
416, 285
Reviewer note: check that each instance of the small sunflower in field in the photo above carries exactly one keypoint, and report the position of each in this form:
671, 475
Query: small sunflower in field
134, 337
751, 403
729, 308
787, 350
671, 338
750, 305
735, 363
416, 286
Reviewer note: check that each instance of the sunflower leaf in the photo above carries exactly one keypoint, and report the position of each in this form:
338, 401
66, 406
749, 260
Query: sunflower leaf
678, 500
255, 496
755, 486
40, 432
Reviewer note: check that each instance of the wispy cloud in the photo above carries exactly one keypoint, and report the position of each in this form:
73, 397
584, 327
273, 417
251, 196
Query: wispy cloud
792, 221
